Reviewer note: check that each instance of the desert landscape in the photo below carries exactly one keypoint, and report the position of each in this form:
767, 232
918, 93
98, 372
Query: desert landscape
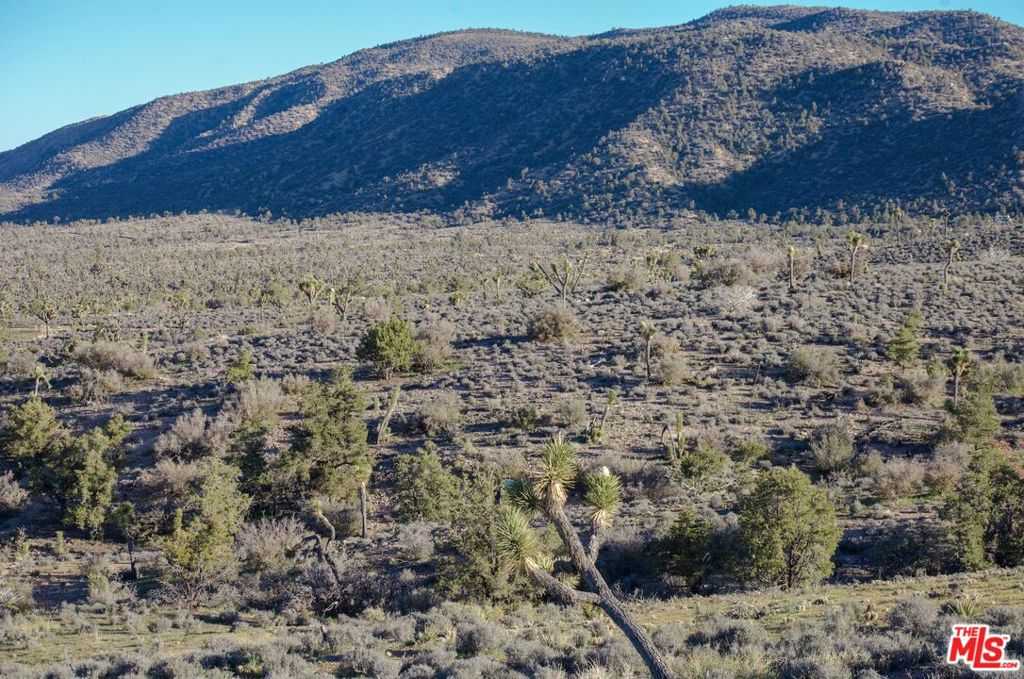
683, 376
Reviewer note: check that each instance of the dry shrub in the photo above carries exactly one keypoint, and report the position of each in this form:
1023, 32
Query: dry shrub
294, 384
947, 465
169, 479
554, 324
896, 478
19, 364
627, 279
725, 272
323, 322
812, 365
259, 402
832, 447
117, 357
264, 545
918, 387
194, 435
96, 386
12, 495
442, 416
571, 412
378, 309
731, 301
434, 345
672, 370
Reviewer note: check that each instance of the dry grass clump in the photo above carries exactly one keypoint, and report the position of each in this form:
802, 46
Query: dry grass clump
118, 357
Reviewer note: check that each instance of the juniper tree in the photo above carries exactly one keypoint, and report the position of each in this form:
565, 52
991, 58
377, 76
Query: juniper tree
788, 528
77, 473
389, 346
906, 345
545, 492
686, 548
31, 430
425, 490
975, 418
329, 456
199, 551
985, 513
89, 478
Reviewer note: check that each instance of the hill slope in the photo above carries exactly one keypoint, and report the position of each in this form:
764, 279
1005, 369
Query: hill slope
767, 108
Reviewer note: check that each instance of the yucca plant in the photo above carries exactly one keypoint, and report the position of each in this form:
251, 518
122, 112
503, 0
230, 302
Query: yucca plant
546, 492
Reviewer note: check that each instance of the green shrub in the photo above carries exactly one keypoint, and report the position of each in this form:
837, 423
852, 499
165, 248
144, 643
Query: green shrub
242, 369
701, 461
788, 529
424, 489
389, 347
329, 456
906, 345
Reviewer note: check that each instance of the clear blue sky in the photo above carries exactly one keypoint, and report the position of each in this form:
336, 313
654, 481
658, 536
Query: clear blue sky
67, 60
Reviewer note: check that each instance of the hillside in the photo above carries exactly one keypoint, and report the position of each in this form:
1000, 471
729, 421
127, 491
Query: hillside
767, 108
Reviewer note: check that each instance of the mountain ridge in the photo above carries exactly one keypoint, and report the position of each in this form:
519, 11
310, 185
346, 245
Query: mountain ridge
777, 109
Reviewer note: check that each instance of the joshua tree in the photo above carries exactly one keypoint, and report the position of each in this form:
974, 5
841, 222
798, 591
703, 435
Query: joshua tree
959, 365
384, 428
895, 215
952, 248
312, 287
43, 309
856, 242
564, 276
673, 437
545, 492
597, 428
342, 295
648, 332
40, 376
792, 267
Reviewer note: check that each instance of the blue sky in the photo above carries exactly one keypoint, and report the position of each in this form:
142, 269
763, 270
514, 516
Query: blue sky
64, 61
